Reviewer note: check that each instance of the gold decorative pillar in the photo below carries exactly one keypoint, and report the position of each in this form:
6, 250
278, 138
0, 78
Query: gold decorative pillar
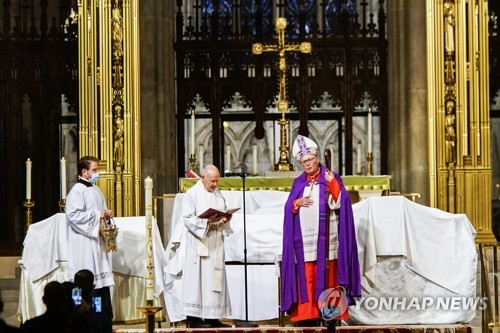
458, 99
108, 40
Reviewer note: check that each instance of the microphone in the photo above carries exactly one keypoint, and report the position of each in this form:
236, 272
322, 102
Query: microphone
236, 174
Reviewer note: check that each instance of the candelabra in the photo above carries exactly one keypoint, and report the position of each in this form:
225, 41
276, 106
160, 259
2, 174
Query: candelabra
62, 205
192, 162
369, 159
29, 204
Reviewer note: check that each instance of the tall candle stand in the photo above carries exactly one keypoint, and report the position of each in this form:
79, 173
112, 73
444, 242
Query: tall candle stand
369, 159
192, 162
62, 205
29, 204
149, 310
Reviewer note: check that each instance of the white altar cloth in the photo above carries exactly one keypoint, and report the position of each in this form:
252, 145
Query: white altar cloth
44, 259
413, 251
401, 245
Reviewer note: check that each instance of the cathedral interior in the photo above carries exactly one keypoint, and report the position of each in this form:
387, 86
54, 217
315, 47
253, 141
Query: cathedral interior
405, 90
129, 81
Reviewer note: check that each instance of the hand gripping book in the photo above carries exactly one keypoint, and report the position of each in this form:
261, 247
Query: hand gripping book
219, 213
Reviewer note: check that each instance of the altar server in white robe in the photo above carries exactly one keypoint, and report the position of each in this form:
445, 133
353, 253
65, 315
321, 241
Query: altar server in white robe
205, 295
85, 208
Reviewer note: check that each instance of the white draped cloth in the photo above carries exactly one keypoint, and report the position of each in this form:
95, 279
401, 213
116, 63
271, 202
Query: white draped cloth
404, 249
86, 249
411, 252
205, 292
44, 259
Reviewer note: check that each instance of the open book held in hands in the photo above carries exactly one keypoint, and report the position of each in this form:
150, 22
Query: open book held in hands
219, 213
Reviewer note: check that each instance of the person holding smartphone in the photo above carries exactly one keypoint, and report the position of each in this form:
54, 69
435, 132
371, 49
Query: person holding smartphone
88, 314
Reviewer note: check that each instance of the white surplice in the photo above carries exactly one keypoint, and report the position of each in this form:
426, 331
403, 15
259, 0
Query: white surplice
309, 217
86, 249
205, 293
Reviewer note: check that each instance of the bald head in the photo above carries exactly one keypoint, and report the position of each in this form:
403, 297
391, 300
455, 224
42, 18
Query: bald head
210, 177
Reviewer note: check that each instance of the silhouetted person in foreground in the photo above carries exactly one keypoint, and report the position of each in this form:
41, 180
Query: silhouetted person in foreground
4, 328
88, 316
55, 317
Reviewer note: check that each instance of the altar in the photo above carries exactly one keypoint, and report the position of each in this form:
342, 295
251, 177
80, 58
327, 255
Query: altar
396, 246
368, 185
265, 199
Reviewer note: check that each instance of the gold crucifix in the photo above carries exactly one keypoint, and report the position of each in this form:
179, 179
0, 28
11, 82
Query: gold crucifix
281, 47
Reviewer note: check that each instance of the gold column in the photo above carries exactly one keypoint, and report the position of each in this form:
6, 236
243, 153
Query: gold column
109, 97
117, 29
458, 99
132, 106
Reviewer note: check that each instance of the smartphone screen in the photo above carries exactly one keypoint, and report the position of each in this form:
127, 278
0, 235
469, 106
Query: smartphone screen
76, 294
97, 303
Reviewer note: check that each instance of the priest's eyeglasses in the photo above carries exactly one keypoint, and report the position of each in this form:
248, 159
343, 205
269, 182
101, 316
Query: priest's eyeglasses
309, 160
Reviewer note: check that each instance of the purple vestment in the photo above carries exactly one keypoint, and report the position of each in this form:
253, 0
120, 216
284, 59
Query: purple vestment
293, 265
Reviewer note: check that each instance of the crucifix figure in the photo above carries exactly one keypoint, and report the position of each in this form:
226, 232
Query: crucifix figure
281, 47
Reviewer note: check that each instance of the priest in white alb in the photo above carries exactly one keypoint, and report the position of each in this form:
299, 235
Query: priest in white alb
85, 208
205, 295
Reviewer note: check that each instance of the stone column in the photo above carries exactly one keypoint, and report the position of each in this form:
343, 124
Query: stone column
407, 137
159, 137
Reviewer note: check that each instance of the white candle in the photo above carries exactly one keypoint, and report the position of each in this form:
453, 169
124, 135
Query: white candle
192, 132
28, 179
148, 187
201, 151
370, 146
358, 158
255, 171
148, 195
228, 157
63, 178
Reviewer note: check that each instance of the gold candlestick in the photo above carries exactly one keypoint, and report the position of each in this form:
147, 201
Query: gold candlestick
62, 205
284, 163
369, 159
192, 162
29, 204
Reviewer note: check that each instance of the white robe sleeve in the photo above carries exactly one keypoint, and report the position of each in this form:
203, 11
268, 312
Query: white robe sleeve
227, 229
334, 204
82, 220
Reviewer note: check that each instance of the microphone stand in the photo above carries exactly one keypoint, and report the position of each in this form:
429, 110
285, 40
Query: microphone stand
245, 323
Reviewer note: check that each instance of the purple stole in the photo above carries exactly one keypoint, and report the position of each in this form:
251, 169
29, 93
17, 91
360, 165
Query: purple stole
293, 264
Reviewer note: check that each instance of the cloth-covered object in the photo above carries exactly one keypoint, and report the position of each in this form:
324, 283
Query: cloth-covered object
409, 251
